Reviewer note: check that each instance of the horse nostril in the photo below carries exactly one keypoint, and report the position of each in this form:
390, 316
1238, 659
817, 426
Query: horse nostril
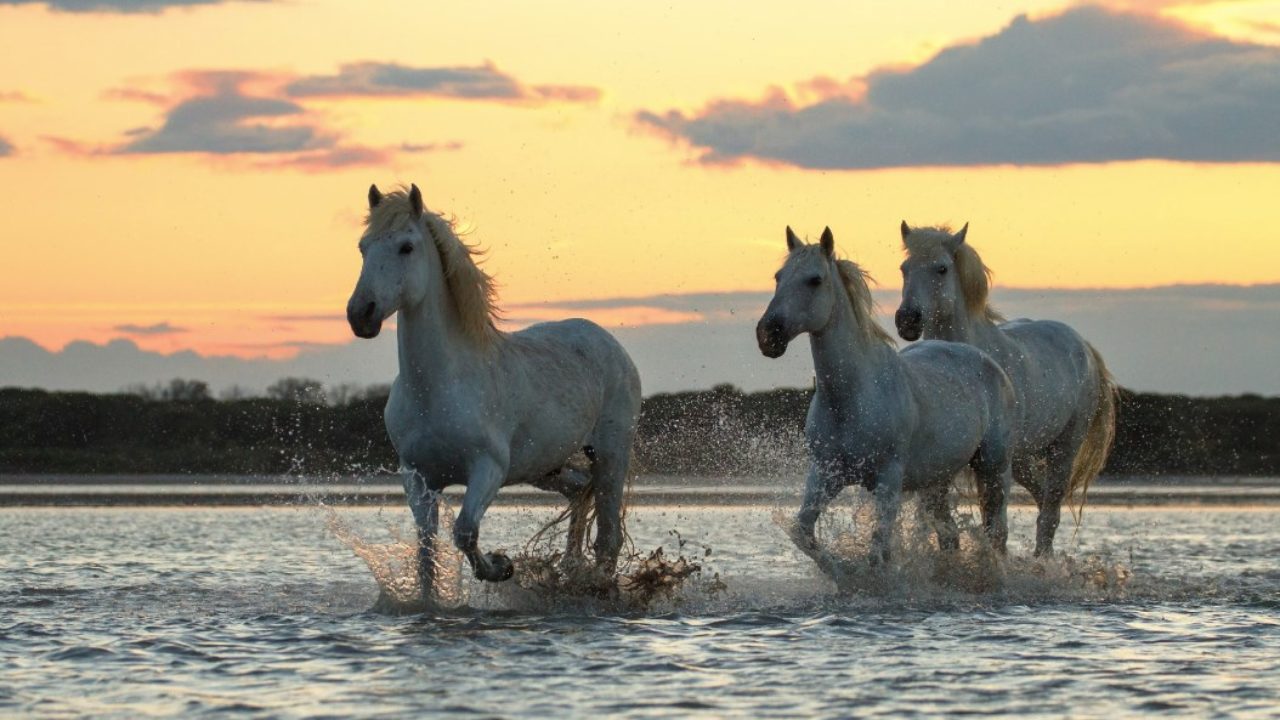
370, 309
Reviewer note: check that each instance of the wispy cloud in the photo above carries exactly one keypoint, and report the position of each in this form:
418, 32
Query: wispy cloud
240, 113
160, 328
6, 147
263, 117
1089, 85
14, 96
117, 6
482, 82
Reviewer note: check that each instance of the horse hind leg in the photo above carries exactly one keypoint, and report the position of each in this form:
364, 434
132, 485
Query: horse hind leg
1059, 458
610, 463
573, 481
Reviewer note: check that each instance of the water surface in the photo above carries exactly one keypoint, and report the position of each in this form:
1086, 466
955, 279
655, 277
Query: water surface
264, 612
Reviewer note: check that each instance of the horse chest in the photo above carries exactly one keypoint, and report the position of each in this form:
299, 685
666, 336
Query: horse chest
438, 441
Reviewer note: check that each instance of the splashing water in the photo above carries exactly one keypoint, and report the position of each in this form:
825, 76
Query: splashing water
394, 563
546, 579
919, 571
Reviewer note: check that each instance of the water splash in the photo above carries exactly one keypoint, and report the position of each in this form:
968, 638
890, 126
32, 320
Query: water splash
393, 563
919, 572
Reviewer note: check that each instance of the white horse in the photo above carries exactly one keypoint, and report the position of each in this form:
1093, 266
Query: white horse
886, 420
1065, 416
482, 408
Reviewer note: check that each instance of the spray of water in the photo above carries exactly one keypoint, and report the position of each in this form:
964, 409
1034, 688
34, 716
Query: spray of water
920, 572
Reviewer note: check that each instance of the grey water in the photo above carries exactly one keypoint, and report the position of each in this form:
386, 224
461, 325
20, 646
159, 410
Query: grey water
268, 612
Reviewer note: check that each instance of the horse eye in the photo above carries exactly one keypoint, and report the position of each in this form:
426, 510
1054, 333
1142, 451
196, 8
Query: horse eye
815, 281
942, 269
406, 248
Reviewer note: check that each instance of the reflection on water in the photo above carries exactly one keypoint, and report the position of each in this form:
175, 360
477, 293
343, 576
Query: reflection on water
268, 612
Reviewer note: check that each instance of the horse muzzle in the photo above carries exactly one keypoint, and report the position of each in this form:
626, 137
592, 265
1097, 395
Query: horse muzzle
364, 319
772, 339
910, 323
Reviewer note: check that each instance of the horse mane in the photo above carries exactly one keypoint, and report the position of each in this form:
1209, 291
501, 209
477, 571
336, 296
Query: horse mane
473, 290
975, 276
855, 280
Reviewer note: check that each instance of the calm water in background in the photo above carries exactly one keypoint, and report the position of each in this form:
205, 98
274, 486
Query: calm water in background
266, 612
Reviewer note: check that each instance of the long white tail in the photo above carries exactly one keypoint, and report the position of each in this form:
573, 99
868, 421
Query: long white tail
1092, 455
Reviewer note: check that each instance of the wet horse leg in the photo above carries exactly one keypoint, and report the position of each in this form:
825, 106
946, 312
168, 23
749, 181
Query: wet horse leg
994, 484
819, 490
484, 480
1059, 457
935, 503
888, 499
424, 503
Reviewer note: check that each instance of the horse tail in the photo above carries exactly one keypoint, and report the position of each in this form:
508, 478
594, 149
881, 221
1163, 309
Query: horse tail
1092, 455
581, 511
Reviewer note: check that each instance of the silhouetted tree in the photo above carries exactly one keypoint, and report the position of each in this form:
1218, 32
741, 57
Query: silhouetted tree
300, 390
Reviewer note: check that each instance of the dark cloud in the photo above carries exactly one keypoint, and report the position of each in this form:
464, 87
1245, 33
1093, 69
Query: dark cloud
483, 82
223, 113
115, 6
232, 113
160, 328
217, 112
1089, 85
6, 147
229, 123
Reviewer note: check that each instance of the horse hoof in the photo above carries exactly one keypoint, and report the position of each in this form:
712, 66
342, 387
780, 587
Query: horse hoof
500, 567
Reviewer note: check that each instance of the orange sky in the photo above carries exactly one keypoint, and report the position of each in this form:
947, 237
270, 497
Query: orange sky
253, 253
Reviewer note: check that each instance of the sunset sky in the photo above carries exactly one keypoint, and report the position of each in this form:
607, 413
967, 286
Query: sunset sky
191, 175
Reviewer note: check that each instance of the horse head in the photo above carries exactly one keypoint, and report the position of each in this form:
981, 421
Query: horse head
393, 247
932, 294
804, 297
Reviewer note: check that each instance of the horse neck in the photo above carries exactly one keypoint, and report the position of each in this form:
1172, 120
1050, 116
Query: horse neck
966, 327
846, 360
433, 347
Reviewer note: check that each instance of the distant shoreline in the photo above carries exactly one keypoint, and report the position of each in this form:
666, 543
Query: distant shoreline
250, 491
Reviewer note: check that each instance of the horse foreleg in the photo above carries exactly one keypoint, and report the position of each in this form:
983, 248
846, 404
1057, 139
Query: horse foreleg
944, 523
888, 498
484, 480
819, 490
993, 490
425, 506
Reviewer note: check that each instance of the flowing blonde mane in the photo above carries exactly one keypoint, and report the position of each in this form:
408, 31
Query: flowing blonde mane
855, 280
975, 277
473, 291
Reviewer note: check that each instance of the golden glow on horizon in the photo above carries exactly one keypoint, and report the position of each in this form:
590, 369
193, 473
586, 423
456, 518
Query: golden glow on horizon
572, 201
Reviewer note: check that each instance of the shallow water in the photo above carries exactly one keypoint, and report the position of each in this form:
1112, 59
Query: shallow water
264, 612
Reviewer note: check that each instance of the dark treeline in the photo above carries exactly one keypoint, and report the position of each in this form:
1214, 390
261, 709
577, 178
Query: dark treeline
300, 429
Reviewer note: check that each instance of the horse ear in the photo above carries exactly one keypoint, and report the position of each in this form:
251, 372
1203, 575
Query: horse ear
375, 196
906, 229
793, 242
959, 237
415, 201
828, 242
